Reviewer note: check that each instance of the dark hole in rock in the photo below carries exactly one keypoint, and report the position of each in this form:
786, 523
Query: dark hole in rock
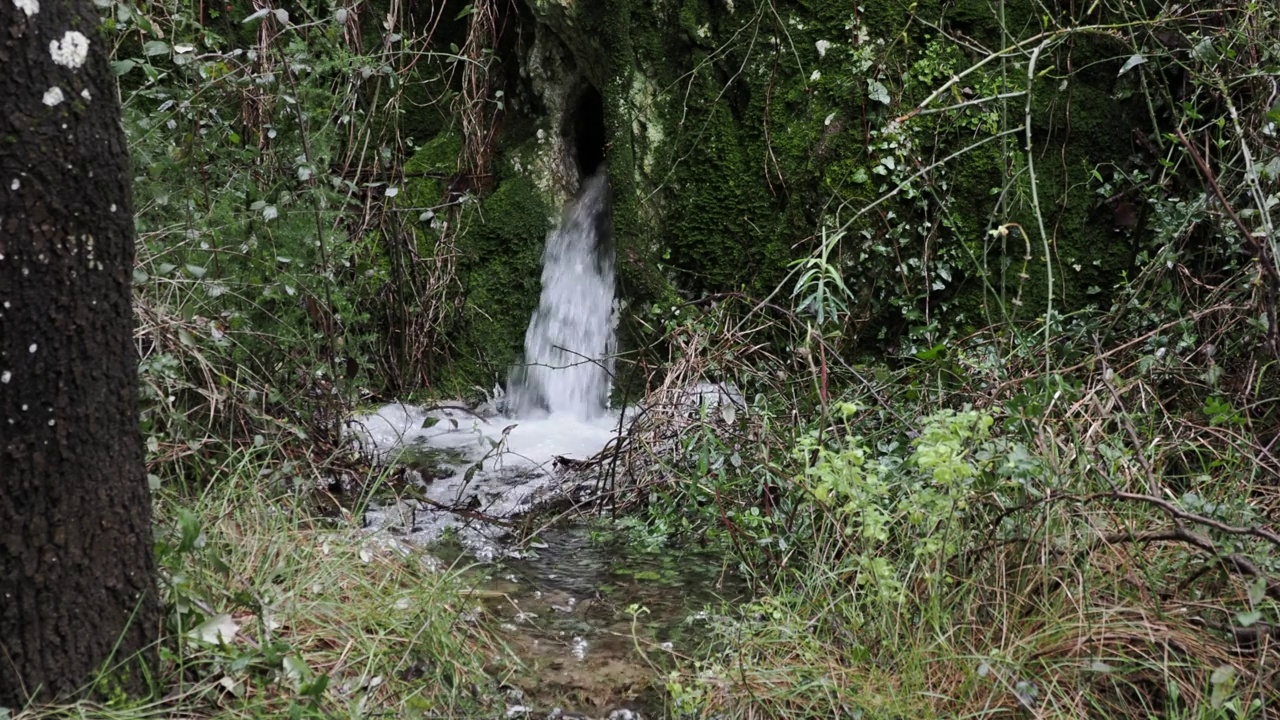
588, 131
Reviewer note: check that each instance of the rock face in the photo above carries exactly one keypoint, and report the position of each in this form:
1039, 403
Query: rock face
737, 133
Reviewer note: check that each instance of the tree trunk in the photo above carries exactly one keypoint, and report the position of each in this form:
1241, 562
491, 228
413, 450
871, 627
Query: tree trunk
77, 575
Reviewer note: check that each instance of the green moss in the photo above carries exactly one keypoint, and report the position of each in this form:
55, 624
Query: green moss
730, 145
437, 155
723, 230
499, 266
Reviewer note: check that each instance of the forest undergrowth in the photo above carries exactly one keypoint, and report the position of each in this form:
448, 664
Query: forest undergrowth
1065, 510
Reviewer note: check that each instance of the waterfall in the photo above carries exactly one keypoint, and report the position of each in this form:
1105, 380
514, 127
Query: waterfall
569, 345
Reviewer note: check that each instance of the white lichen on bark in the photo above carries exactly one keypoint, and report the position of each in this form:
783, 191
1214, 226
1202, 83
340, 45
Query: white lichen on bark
71, 50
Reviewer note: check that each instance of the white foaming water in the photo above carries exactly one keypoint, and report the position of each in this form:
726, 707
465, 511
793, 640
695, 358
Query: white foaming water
569, 345
556, 406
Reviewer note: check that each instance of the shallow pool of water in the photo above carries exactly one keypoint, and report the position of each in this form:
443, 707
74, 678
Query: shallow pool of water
599, 621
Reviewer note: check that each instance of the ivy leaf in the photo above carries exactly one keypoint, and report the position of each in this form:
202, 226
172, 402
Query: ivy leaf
120, 67
155, 47
877, 91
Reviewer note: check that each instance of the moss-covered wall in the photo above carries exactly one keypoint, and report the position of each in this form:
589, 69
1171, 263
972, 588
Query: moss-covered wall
778, 119
500, 263
743, 131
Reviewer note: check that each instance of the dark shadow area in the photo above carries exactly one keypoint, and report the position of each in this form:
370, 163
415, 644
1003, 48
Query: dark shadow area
588, 131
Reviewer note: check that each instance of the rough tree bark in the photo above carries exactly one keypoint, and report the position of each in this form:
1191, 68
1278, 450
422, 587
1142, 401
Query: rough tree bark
77, 576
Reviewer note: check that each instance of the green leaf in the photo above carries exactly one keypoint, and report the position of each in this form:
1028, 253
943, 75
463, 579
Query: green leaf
465, 12
1257, 590
1274, 113
1248, 618
728, 413
120, 67
295, 668
155, 47
315, 689
1223, 681
877, 91
1134, 61
196, 271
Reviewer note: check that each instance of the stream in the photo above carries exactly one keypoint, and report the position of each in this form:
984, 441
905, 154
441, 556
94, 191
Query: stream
595, 619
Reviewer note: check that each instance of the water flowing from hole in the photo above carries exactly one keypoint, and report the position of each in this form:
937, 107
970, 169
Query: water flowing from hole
570, 341
499, 460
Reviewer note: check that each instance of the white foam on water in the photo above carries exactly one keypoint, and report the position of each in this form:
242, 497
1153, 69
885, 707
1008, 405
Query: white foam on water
533, 442
514, 461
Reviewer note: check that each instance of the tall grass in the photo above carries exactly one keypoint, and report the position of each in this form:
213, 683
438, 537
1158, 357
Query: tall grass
1015, 545
277, 610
